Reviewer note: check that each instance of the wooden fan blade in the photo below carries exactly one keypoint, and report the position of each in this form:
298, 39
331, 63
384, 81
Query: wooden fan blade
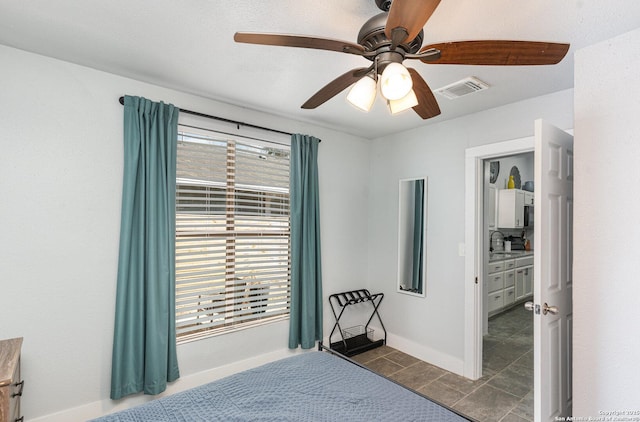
301, 41
335, 87
427, 105
498, 53
410, 15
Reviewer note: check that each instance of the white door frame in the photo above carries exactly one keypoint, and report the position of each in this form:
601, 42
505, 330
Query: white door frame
474, 237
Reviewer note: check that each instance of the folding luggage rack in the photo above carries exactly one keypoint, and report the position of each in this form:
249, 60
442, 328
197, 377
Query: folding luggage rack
358, 339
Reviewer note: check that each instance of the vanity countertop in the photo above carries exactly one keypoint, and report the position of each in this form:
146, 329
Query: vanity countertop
501, 255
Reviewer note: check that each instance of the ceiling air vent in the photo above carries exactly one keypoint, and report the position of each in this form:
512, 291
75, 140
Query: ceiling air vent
463, 87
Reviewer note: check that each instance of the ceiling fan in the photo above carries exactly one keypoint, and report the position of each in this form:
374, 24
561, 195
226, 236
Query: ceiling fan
396, 35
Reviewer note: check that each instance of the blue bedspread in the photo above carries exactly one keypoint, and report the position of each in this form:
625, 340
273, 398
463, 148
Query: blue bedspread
313, 386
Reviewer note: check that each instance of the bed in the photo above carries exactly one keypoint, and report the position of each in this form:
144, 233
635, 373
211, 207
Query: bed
312, 386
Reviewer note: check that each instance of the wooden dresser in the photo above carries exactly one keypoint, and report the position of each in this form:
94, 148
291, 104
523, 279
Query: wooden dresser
10, 383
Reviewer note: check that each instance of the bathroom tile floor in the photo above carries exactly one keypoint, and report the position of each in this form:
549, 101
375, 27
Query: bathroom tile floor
504, 393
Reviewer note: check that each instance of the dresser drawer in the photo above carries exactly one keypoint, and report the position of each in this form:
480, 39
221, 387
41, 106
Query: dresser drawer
10, 383
16, 394
496, 282
10, 403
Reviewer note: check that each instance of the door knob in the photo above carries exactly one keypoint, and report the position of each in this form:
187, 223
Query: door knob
550, 309
529, 306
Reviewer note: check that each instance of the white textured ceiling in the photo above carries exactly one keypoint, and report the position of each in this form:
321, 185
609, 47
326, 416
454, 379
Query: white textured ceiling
188, 45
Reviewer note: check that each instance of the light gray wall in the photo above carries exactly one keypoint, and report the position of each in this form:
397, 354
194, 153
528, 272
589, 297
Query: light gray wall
606, 266
433, 328
60, 194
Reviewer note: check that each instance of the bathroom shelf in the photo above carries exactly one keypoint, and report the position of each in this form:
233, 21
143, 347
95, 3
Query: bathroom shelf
358, 339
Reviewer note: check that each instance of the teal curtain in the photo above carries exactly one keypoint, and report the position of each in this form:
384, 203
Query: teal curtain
305, 324
418, 237
144, 343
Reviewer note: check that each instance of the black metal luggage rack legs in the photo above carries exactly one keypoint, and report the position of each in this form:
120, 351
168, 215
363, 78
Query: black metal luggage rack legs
357, 340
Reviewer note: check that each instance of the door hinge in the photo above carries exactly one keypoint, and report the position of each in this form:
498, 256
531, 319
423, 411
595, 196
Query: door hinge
476, 279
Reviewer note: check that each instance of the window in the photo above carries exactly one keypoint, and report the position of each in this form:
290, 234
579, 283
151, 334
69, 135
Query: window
232, 234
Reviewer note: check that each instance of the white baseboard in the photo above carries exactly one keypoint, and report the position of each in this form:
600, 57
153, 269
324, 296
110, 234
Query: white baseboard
434, 357
106, 406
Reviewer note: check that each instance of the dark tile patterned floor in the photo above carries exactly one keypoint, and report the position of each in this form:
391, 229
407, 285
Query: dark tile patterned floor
504, 393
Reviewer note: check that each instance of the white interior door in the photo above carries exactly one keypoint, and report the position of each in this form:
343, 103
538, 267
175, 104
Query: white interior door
553, 214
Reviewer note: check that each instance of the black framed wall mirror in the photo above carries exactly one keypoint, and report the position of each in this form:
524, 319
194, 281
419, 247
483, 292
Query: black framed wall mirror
412, 236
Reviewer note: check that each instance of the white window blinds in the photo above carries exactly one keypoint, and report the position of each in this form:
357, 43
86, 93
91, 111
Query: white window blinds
232, 233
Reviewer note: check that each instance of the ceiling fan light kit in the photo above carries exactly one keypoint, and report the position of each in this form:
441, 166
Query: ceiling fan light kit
405, 103
363, 93
388, 39
395, 82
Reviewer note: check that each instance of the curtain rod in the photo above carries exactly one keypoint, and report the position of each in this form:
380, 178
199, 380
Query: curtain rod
208, 116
